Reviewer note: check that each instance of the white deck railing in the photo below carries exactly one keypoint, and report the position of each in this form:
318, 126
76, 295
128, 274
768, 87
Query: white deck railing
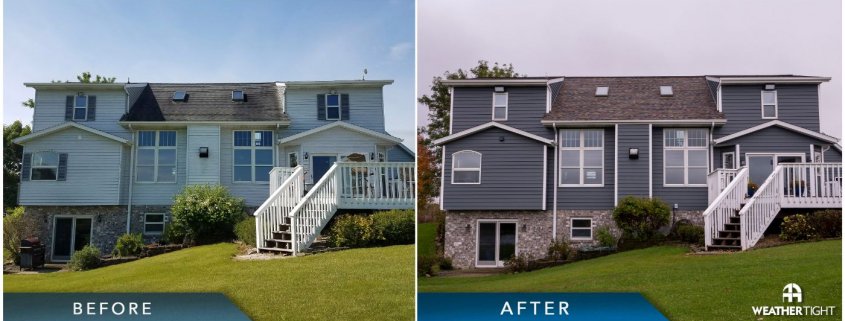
812, 185
315, 210
725, 205
761, 209
377, 185
278, 176
279, 205
717, 181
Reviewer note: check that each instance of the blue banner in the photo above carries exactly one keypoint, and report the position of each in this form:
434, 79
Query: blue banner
536, 306
119, 306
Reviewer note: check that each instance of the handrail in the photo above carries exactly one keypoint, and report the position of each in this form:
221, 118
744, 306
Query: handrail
758, 213
323, 196
721, 209
718, 180
271, 213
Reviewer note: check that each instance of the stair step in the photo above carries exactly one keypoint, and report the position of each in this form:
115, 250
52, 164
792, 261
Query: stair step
725, 247
728, 234
734, 219
275, 249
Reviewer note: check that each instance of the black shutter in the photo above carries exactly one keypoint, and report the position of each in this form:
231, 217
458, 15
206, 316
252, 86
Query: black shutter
62, 174
321, 107
26, 167
92, 107
344, 107
69, 108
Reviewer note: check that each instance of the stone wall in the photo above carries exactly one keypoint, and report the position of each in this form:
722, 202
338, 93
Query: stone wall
137, 223
108, 223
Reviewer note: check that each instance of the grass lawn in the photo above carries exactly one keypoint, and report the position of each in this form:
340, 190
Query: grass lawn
425, 238
357, 284
685, 287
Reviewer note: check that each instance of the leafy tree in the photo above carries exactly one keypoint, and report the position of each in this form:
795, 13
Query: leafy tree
85, 77
427, 182
12, 154
30, 103
439, 119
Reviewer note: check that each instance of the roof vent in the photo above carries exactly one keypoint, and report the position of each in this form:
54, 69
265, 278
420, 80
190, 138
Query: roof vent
666, 91
180, 95
238, 95
601, 91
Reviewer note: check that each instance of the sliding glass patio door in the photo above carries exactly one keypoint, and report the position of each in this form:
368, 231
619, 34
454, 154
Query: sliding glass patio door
496, 243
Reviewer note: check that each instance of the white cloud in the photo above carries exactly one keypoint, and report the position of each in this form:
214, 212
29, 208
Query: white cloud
400, 51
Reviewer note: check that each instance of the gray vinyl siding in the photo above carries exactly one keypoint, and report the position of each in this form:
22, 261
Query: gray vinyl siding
93, 170
777, 140
473, 106
124, 174
162, 193
590, 197
633, 173
833, 156
687, 198
399, 154
203, 170
511, 173
110, 106
717, 154
797, 105
366, 109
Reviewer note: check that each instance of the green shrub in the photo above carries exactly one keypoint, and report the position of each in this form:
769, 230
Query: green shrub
352, 231
690, 233
428, 265
394, 227
245, 230
128, 245
520, 263
85, 259
558, 250
827, 223
640, 218
174, 233
605, 237
207, 212
445, 263
15, 228
796, 227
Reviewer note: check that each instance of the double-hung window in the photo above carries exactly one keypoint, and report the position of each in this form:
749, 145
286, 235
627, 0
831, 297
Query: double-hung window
45, 166
80, 107
466, 167
582, 157
500, 106
769, 99
685, 157
332, 107
156, 159
253, 155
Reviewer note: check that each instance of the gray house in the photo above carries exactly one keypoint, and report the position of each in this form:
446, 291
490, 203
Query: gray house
107, 159
529, 160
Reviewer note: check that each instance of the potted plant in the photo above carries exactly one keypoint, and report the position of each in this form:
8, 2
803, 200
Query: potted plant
796, 187
752, 188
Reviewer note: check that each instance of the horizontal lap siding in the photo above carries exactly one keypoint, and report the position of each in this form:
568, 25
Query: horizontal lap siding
203, 170
633, 173
511, 173
526, 107
397, 154
336, 141
776, 140
162, 193
366, 109
93, 171
797, 105
110, 106
687, 198
590, 197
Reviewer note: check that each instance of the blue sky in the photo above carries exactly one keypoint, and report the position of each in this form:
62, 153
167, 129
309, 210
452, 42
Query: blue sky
212, 41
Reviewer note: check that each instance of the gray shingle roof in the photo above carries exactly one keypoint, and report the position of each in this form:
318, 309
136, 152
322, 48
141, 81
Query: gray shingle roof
207, 102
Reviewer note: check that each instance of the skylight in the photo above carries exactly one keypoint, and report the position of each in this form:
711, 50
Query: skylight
180, 95
666, 91
601, 91
238, 95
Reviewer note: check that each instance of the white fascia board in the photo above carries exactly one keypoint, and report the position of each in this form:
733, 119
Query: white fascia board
494, 82
771, 80
344, 125
150, 124
337, 83
74, 86
781, 124
608, 122
482, 127
51, 130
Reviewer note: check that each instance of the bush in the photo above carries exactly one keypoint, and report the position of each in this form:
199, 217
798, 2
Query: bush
208, 213
689, 233
445, 263
796, 227
520, 263
174, 233
428, 265
245, 231
558, 250
15, 228
352, 231
85, 259
605, 237
394, 227
827, 223
640, 218
128, 245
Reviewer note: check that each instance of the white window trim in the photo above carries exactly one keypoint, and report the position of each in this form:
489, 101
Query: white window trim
685, 148
252, 149
75, 108
733, 164
339, 103
155, 149
572, 227
32, 166
478, 240
581, 150
763, 104
163, 223
507, 101
468, 169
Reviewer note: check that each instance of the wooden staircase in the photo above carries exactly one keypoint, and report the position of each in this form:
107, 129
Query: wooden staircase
281, 240
729, 236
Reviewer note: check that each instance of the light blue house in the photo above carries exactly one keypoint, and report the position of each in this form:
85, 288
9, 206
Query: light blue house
106, 159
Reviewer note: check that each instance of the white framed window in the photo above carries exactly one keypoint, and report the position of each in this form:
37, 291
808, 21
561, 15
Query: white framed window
581, 157
293, 159
466, 167
156, 157
729, 160
253, 155
80, 107
769, 104
154, 223
685, 156
496, 242
45, 166
332, 107
500, 106
581, 228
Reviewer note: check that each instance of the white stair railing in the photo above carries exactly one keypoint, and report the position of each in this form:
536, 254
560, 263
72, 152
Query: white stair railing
314, 210
385, 185
278, 176
278, 206
717, 181
725, 205
761, 209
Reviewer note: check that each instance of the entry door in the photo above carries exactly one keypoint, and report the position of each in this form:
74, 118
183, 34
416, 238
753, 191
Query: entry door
760, 167
70, 235
496, 243
322, 165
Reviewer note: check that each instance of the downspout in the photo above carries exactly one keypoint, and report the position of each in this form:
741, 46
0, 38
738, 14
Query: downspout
131, 179
712, 127
555, 183
824, 150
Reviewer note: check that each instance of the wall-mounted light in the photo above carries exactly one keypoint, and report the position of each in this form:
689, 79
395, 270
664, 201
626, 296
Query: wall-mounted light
633, 153
203, 152
501, 138
305, 156
499, 89
468, 227
769, 86
372, 156
99, 218
524, 227
333, 92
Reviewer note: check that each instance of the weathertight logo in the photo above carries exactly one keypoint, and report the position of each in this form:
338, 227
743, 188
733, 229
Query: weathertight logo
791, 294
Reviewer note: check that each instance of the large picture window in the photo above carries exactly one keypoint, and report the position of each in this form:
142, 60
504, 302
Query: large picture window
253, 153
156, 157
45, 166
582, 157
466, 167
685, 157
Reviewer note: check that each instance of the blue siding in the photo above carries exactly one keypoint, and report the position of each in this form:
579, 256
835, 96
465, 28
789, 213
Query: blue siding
526, 107
797, 105
590, 197
633, 173
777, 140
687, 198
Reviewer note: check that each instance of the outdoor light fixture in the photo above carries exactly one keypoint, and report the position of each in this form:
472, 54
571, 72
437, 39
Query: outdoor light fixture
468, 227
372, 156
501, 138
305, 155
203, 152
499, 89
769, 87
633, 153
99, 218
524, 227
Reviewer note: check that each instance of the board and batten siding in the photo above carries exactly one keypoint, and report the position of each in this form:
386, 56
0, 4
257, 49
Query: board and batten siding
473, 106
587, 198
110, 106
144, 193
203, 170
511, 173
633, 173
366, 109
93, 170
741, 104
687, 198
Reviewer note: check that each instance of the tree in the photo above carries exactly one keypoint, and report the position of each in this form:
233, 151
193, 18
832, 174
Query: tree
439, 118
12, 154
85, 77
427, 182
30, 103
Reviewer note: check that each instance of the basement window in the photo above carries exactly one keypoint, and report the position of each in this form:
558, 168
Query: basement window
581, 229
238, 95
602, 91
180, 95
666, 91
